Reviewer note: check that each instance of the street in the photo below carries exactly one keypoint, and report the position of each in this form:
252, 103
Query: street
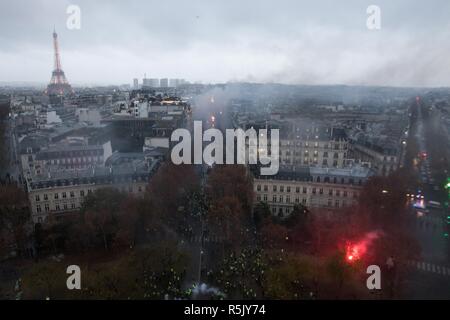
428, 278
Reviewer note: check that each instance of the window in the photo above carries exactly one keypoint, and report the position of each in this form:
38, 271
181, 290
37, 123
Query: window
64, 195
304, 189
38, 208
65, 206
45, 196
313, 190
139, 188
258, 197
274, 188
265, 197
281, 199
288, 189
330, 192
72, 194
266, 188
258, 187
57, 207
280, 213
38, 198
281, 188
321, 191
274, 199
81, 193
47, 207
72, 205
288, 199
345, 193
297, 189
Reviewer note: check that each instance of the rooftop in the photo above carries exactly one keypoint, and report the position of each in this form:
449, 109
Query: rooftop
98, 174
307, 173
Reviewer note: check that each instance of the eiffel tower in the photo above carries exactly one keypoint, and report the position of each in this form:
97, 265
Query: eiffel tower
58, 84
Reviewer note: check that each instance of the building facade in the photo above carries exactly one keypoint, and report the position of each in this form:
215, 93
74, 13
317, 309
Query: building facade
62, 192
310, 144
65, 155
382, 159
311, 187
313, 152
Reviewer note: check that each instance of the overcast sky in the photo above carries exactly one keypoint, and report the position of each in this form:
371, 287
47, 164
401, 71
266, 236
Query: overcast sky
304, 42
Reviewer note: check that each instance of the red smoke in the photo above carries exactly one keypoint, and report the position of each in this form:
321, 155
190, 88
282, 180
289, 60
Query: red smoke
355, 251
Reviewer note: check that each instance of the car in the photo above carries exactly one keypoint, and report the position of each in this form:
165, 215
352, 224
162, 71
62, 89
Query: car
434, 204
419, 206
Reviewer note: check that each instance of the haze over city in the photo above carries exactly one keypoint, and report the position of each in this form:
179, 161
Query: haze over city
225, 150
293, 42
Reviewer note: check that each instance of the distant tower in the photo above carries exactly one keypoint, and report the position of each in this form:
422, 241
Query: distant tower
58, 84
164, 83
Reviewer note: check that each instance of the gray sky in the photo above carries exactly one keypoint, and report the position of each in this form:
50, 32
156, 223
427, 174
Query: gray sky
305, 42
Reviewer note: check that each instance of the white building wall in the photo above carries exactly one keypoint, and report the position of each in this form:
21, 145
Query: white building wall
66, 199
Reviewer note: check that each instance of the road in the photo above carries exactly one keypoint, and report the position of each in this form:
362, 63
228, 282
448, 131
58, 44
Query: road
201, 244
429, 276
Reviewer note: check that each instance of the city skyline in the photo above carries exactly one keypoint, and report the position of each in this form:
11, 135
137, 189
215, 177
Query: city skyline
250, 151
292, 43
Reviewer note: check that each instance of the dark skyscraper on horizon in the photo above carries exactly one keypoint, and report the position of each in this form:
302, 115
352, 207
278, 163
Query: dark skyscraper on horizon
58, 84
